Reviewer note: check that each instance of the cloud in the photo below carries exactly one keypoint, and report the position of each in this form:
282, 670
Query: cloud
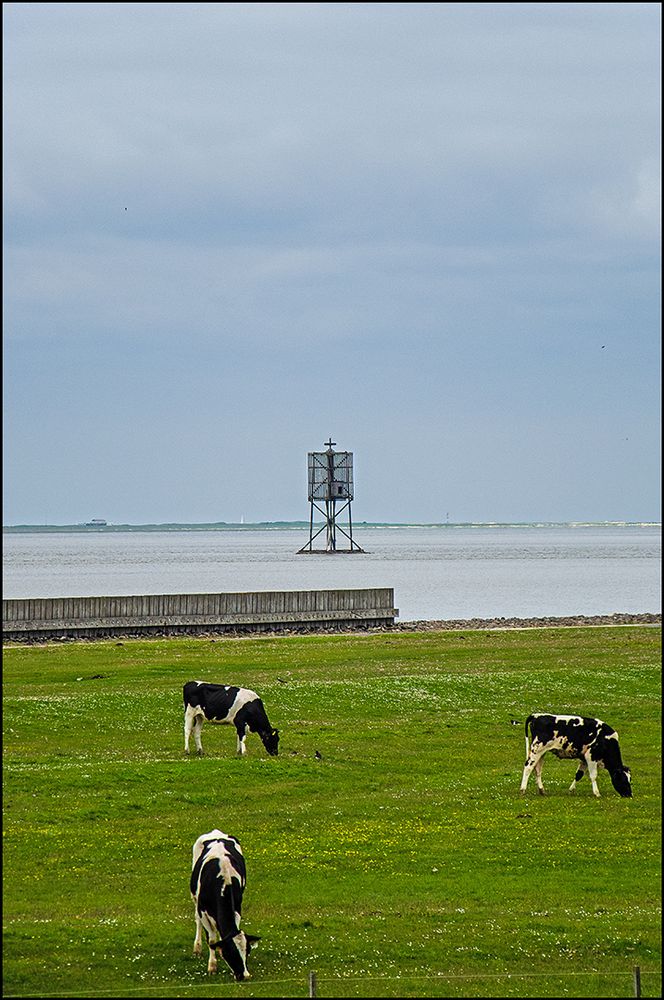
273, 118
437, 207
631, 208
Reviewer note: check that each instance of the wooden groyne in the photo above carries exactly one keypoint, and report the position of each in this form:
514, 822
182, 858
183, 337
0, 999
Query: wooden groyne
44, 619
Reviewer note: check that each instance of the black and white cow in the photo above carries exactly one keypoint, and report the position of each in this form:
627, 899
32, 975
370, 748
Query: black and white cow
222, 703
218, 878
573, 737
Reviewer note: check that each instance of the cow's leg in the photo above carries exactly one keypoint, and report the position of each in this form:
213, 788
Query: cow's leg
592, 774
189, 716
538, 775
241, 728
193, 723
213, 936
198, 726
198, 940
579, 774
212, 957
531, 761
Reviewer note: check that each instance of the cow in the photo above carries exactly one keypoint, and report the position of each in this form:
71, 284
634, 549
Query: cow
591, 741
218, 879
222, 703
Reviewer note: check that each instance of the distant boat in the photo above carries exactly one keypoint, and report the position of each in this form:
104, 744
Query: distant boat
96, 522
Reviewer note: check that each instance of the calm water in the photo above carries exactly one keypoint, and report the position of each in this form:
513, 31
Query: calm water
437, 573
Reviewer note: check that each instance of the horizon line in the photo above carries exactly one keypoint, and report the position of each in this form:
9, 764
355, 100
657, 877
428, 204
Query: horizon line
100, 525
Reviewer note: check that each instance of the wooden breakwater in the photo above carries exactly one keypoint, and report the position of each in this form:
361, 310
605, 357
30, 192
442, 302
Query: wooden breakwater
42, 619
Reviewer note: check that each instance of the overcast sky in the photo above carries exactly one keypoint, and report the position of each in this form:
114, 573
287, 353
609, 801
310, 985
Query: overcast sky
430, 231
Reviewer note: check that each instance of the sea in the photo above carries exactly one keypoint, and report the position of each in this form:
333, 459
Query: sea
438, 572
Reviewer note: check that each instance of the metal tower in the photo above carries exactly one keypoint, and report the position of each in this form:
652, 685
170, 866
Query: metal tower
331, 482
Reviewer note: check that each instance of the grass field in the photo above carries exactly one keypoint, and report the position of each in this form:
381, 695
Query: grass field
402, 864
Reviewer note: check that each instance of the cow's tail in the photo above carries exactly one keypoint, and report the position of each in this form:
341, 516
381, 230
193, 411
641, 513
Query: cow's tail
528, 721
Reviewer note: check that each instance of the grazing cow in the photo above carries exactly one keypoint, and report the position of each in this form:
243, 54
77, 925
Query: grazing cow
224, 704
218, 878
591, 741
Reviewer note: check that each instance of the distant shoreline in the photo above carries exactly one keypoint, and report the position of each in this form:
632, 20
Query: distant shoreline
300, 525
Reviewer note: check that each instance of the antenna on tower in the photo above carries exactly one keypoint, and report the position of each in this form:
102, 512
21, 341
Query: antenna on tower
330, 483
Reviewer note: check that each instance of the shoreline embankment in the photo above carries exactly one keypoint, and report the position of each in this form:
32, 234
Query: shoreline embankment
618, 619
566, 621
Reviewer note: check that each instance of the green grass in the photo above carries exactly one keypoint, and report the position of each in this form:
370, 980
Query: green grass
404, 863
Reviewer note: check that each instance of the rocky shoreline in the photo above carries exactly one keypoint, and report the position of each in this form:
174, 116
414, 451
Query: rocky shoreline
337, 628
569, 621
480, 624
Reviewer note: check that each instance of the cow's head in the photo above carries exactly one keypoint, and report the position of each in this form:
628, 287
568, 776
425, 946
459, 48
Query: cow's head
270, 738
235, 949
621, 779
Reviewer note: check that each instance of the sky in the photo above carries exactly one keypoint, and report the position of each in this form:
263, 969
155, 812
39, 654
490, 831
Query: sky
427, 231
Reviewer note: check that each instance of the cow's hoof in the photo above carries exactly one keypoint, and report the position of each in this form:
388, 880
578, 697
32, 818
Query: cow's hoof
199, 753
